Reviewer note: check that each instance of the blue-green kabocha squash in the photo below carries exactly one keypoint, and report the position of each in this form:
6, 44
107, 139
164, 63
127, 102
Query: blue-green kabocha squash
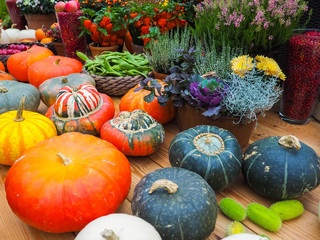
212, 152
281, 167
179, 203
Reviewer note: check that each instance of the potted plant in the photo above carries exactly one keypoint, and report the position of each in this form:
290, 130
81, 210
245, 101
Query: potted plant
233, 102
38, 13
54, 33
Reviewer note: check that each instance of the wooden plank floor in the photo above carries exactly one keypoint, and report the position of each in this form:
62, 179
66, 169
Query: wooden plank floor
306, 227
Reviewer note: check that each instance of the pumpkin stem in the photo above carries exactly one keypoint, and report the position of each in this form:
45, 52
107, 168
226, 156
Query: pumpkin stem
168, 185
57, 62
3, 90
108, 234
66, 161
64, 79
19, 117
290, 141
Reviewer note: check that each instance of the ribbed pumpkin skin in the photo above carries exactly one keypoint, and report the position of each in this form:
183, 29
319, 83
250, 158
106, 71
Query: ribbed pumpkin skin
134, 100
56, 196
10, 98
15, 137
278, 172
18, 64
74, 116
219, 169
54, 66
188, 214
50, 88
134, 133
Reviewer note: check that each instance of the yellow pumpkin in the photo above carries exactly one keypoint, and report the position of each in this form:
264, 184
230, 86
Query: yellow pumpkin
21, 130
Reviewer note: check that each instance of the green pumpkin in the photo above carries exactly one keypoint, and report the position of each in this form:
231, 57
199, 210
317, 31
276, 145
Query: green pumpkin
11, 92
281, 167
212, 152
177, 202
50, 88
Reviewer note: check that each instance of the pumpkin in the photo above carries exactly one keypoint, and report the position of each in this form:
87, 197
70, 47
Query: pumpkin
82, 110
19, 63
13, 34
134, 133
4, 38
245, 236
119, 226
63, 183
55, 66
27, 34
4, 76
134, 100
212, 152
11, 93
49, 89
2, 68
281, 167
21, 130
177, 202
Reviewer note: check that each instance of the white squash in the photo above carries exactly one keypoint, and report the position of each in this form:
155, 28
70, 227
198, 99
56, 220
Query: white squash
4, 37
27, 34
13, 34
118, 226
244, 236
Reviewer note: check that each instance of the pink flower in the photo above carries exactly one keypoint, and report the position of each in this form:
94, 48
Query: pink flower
270, 37
266, 24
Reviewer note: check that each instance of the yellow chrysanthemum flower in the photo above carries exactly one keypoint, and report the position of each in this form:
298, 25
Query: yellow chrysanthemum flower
165, 3
241, 65
270, 67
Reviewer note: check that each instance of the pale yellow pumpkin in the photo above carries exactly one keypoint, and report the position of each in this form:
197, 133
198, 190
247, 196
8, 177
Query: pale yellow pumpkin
21, 130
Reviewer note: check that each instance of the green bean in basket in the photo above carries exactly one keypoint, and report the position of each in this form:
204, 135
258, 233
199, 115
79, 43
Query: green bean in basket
116, 64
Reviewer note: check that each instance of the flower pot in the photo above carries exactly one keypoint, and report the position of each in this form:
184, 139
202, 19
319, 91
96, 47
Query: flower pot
316, 111
59, 48
98, 50
36, 21
137, 48
188, 117
159, 76
15, 14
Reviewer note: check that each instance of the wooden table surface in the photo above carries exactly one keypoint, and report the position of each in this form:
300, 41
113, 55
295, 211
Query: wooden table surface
306, 227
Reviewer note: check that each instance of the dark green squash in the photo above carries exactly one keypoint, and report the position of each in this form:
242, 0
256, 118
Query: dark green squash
212, 152
50, 88
181, 206
11, 92
281, 167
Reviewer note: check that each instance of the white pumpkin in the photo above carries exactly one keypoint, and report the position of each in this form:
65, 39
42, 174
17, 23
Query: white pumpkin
118, 226
244, 236
27, 33
13, 34
4, 37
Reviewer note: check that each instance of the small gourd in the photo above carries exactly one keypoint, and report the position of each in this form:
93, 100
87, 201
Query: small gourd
281, 167
212, 152
177, 202
118, 226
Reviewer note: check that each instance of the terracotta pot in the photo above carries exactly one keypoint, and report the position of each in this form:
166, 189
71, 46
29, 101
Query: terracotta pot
159, 76
59, 48
188, 117
137, 48
98, 50
37, 21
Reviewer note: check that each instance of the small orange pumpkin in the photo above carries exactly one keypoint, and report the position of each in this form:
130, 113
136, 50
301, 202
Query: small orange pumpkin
19, 63
134, 100
54, 66
4, 76
2, 68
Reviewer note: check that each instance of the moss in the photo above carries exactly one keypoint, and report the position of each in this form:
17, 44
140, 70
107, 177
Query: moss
264, 217
235, 228
288, 209
232, 209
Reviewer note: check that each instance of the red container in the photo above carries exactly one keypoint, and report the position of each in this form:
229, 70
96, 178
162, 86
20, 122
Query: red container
70, 24
302, 86
15, 15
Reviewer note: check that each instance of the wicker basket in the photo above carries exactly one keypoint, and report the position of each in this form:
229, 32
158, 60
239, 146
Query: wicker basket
115, 86
4, 58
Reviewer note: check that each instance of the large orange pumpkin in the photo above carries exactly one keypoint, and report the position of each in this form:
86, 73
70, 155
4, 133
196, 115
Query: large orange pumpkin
82, 110
55, 66
134, 100
67, 181
19, 63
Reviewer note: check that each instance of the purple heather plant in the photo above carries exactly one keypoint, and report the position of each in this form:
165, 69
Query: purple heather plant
254, 24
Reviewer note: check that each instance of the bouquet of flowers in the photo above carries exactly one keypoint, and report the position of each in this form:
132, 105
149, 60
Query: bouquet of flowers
254, 25
36, 6
54, 33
